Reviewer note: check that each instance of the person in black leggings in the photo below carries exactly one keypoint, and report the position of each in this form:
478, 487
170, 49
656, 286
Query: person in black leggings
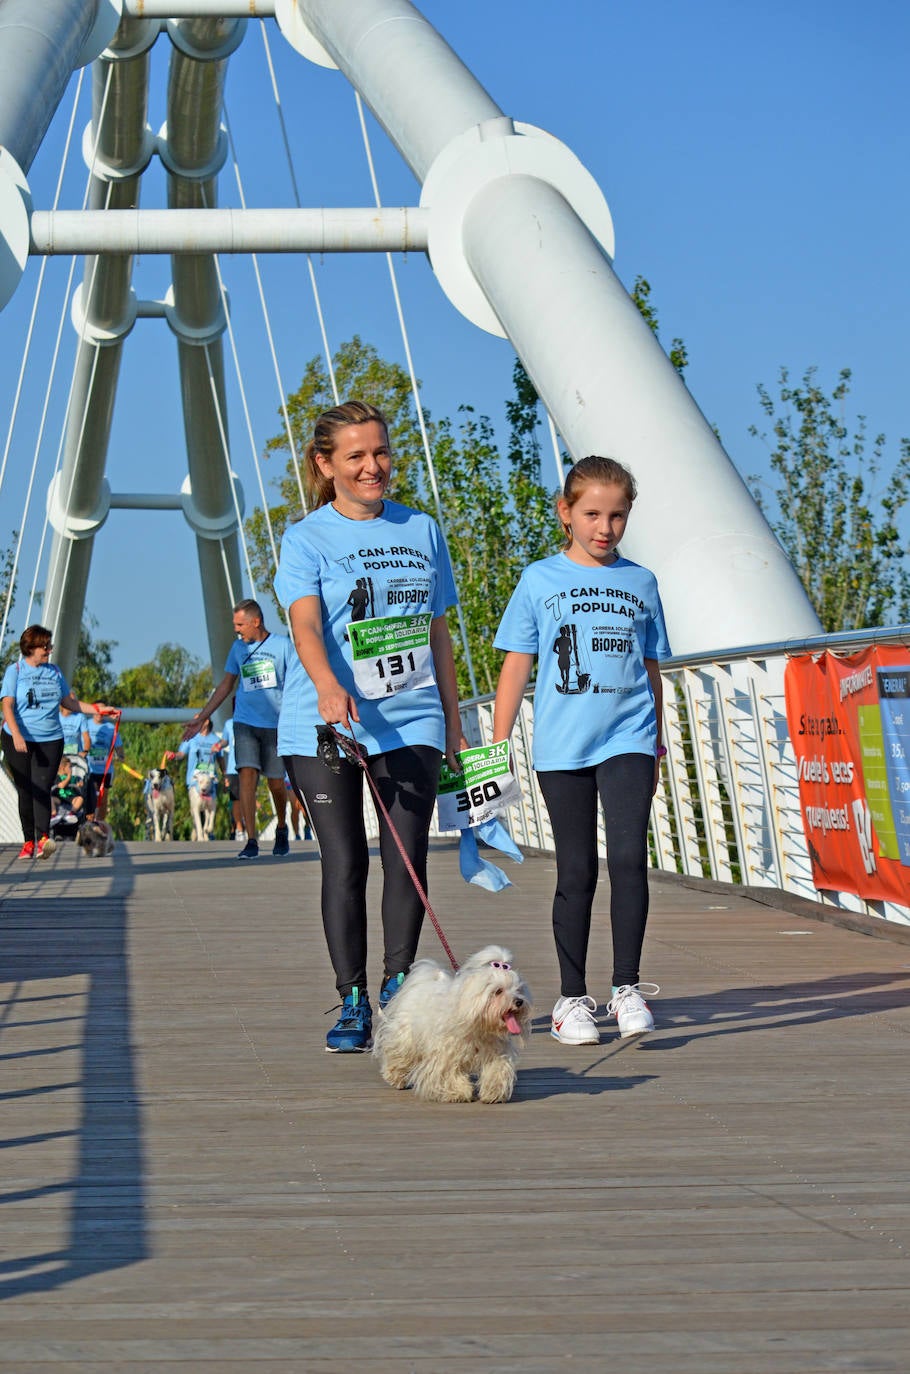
33, 690
366, 583
594, 621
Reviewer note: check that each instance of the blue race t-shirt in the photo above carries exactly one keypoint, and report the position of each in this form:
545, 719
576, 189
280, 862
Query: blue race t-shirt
72, 728
37, 692
227, 734
101, 734
260, 670
380, 582
201, 752
591, 629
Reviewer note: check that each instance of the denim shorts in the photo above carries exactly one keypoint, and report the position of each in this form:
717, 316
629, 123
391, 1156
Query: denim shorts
256, 746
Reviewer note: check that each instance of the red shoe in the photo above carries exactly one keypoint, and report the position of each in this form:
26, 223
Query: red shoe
44, 847
27, 851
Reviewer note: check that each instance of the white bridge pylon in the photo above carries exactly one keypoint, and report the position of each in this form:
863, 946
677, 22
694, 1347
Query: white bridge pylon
518, 234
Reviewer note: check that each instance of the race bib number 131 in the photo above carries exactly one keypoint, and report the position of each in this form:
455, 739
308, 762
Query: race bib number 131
485, 787
391, 654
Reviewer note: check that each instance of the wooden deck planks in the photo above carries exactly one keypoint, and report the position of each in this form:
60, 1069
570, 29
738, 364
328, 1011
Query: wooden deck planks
188, 1182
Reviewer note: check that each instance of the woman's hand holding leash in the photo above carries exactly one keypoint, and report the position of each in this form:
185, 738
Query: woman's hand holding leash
337, 707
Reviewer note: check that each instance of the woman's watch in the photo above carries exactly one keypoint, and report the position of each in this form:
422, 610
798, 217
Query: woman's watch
661, 751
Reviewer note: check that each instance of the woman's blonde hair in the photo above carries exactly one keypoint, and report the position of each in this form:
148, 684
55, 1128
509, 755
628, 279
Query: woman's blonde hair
321, 489
607, 471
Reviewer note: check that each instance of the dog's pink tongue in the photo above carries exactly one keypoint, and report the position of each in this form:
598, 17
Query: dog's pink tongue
512, 1025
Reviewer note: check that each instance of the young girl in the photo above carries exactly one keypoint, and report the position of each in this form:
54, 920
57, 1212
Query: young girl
367, 583
596, 623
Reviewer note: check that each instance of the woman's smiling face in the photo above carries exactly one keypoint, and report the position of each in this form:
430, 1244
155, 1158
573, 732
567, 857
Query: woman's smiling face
360, 467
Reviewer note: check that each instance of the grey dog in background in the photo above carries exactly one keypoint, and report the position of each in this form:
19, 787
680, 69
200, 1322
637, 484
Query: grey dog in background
96, 839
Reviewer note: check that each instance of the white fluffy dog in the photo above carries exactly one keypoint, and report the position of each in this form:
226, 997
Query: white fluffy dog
441, 1031
203, 801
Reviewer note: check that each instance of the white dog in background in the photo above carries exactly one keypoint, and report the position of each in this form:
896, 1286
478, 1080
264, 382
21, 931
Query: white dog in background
203, 800
159, 804
441, 1031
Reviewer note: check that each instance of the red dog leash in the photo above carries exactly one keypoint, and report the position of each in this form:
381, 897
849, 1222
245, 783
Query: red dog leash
353, 751
110, 756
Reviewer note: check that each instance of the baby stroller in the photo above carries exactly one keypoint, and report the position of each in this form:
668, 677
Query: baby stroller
68, 797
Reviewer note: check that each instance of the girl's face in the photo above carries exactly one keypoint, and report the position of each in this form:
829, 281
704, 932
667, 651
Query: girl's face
597, 521
360, 467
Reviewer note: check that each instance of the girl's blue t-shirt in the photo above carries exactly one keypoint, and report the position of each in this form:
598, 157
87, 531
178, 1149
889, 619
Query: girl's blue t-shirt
37, 691
260, 670
101, 735
591, 629
394, 565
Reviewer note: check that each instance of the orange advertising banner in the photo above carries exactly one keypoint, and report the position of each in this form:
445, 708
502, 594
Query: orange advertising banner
849, 722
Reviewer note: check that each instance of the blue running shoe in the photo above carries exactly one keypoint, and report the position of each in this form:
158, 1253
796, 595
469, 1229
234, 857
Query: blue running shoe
389, 989
351, 1032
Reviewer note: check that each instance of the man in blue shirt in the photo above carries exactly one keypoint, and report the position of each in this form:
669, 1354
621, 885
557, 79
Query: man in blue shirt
255, 669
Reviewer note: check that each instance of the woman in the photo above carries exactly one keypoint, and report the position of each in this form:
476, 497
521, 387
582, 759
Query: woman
601, 735
33, 691
388, 680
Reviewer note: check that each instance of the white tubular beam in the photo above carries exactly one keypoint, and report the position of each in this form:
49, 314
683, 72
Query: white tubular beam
420, 91
548, 282
40, 47
199, 9
389, 230
611, 389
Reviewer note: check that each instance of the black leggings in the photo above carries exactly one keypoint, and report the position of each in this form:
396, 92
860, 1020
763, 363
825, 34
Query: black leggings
33, 774
625, 784
406, 780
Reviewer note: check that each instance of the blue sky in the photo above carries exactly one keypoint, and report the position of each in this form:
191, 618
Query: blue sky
754, 158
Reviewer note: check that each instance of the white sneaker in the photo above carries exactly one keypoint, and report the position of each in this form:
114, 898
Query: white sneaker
573, 1021
633, 1016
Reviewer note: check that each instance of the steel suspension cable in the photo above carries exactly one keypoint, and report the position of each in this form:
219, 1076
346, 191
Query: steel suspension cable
312, 273
418, 406
268, 329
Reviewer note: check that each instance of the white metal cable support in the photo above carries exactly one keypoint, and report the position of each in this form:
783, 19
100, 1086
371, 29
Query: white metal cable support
268, 329
26, 354
290, 160
414, 388
557, 456
82, 339
246, 411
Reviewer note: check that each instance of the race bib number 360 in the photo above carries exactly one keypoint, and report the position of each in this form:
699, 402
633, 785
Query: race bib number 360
391, 654
485, 787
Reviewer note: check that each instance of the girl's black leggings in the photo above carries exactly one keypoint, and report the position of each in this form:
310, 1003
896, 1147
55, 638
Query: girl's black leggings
33, 774
625, 785
406, 780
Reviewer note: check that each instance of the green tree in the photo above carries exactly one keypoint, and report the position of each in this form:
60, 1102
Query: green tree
93, 676
9, 648
496, 523
173, 678
641, 295
837, 525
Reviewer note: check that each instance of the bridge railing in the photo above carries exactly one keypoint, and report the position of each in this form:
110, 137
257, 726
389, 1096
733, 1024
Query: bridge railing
727, 805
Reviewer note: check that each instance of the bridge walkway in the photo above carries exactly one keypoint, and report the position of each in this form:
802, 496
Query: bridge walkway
188, 1182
